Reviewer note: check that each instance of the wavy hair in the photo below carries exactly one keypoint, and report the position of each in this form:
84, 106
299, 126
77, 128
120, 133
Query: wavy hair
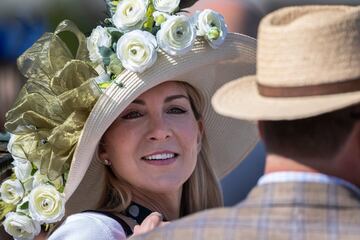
201, 191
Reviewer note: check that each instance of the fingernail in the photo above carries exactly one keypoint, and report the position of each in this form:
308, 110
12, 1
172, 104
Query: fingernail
157, 214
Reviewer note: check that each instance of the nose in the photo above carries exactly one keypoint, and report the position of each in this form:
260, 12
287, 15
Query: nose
159, 129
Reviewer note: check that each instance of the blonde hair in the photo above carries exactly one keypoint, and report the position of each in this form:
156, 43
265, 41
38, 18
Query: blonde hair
201, 191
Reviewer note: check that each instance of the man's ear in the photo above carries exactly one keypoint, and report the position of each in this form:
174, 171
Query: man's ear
260, 129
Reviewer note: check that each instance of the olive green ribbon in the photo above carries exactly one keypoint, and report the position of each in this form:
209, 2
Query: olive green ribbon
52, 107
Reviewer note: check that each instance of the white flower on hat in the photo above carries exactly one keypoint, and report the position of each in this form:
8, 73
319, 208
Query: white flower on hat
16, 153
11, 142
18, 146
176, 35
160, 17
22, 168
99, 37
211, 25
20, 226
12, 191
46, 204
41, 179
167, 6
130, 14
28, 184
137, 50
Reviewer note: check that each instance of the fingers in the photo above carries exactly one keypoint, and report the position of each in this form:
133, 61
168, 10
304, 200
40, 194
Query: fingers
150, 222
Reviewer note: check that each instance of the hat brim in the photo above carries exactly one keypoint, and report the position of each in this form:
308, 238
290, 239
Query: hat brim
240, 99
204, 68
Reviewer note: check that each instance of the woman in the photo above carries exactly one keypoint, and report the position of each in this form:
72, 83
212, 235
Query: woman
120, 149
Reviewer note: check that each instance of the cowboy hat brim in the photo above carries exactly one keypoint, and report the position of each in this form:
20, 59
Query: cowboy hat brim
240, 99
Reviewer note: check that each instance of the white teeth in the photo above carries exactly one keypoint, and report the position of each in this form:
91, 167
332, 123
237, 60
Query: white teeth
162, 156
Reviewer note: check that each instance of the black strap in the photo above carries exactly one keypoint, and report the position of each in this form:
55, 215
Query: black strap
137, 212
125, 226
134, 211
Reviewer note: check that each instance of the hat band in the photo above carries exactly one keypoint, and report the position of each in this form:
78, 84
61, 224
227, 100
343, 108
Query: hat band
314, 90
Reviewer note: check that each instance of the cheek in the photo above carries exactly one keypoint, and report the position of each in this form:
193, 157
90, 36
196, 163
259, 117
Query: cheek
119, 143
189, 133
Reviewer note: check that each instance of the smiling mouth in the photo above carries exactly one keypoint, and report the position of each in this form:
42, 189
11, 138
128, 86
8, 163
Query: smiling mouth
160, 157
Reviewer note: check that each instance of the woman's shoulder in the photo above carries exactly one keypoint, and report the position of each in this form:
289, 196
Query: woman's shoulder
89, 225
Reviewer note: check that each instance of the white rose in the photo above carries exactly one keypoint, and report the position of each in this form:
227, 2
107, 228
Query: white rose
46, 204
176, 35
20, 226
16, 153
99, 37
19, 145
160, 17
12, 191
137, 50
22, 169
41, 179
168, 6
11, 142
28, 184
130, 14
211, 25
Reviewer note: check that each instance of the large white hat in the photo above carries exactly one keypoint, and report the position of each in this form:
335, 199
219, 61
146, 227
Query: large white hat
203, 67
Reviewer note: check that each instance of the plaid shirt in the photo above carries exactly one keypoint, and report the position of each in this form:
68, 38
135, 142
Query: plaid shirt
280, 210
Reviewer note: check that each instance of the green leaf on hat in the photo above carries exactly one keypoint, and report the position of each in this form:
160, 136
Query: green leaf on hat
104, 85
106, 53
149, 23
111, 6
5, 208
115, 65
186, 3
61, 189
115, 33
24, 206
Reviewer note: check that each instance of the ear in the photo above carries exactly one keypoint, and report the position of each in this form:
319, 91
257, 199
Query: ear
200, 134
260, 129
102, 150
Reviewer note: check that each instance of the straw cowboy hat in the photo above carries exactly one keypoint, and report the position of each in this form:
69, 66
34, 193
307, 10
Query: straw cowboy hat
308, 63
203, 67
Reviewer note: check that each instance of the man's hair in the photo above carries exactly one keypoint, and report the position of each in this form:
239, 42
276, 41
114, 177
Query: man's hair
319, 137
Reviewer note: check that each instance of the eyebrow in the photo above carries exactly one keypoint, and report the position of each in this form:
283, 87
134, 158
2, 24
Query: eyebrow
167, 99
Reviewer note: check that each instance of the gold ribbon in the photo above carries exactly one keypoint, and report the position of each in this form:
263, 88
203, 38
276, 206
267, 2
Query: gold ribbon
53, 105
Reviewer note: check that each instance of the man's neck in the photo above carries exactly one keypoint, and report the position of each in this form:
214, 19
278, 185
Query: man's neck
276, 163
332, 167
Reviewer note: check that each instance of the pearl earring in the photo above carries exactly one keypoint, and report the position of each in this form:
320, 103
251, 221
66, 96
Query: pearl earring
107, 162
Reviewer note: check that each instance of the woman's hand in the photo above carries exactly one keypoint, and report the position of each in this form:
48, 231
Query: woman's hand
152, 221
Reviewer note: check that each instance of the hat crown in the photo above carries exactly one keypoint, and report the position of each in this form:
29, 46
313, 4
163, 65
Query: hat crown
308, 46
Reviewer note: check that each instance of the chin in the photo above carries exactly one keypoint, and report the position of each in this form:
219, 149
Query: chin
164, 185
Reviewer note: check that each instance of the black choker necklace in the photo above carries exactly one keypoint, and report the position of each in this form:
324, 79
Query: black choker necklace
137, 212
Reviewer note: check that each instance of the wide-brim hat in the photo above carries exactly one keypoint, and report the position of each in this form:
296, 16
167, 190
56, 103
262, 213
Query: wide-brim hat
204, 68
307, 64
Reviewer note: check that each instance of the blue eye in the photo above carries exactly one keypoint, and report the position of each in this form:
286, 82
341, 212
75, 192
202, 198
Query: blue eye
132, 115
176, 110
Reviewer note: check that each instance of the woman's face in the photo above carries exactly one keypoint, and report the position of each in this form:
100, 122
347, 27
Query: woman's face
154, 142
